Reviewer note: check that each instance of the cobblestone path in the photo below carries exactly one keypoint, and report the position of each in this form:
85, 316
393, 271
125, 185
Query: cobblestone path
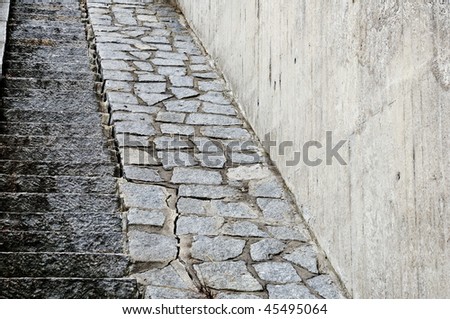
207, 216
60, 227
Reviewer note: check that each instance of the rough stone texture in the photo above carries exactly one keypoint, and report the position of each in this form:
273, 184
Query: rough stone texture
227, 275
265, 249
325, 287
143, 217
193, 206
198, 225
277, 272
216, 249
248, 172
269, 187
235, 210
195, 176
304, 256
243, 229
148, 247
289, 291
289, 233
143, 196
393, 106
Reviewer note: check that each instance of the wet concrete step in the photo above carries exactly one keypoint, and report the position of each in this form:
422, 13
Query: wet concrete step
32, 52
81, 66
75, 241
56, 184
59, 102
77, 265
52, 129
54, 85
61, 222
92, 144
48, 154
61, 168
54, 202
19, 34
67, 117
69, 288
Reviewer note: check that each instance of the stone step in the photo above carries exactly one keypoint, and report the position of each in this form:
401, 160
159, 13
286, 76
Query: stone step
61, 11
92, 168
55, 265
69, 288
81, 66
37, 94
51, 202
49, 43
44, 30
61, 222
49, 154
45, 52
51, 129
46, 16
56, 184
32, 23
51, 85
91, 144
32, 35
74, 241
67, 117
62, 102
54, 75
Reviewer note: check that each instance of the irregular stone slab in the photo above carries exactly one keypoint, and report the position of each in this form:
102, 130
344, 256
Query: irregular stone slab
182, 81
121, 97
212, 119
145, 66
211, 86
289, 233
198, 225
153, 98
225, 132
193, 206
144, 174
173, 159
229, 275
146, 247
171, 55
277, 272
243, 229
170, 117
269, 187
217, 248
169, 143
165, 277
177, 129
325, 287
199, 67
153, 292
206, 191
117, 75
182, 106
265, 249
224, 295
149, 77
156, 39
134, 127
136, 156
218, 109
116, 65
168, 62
215, 97
183, 93
153, 87
143, 196
248, 172
289, 291
205, 145
242, 158
133, 108
235, 210
111, 85
304, 256
171, 70
183, 175
275, 209
119, 116
211, 160
146, 217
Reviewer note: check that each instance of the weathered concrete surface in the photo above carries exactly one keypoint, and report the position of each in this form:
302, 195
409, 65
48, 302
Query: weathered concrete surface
377, 75
4, 12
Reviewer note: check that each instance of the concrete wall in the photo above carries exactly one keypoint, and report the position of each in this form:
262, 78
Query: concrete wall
376, 75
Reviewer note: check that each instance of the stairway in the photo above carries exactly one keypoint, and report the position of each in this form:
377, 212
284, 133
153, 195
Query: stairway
61, 233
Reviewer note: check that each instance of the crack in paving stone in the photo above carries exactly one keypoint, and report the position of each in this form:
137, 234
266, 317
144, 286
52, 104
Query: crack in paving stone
208, 216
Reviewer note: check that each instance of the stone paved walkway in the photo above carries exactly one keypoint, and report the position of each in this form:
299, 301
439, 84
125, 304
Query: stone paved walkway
207, 215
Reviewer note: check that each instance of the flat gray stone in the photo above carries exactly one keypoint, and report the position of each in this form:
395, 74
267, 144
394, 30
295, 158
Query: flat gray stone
136, 156
117, 75
217, 248
211, 160
235, 210
177, 129
154, 98
182, 81
277, 272
242, 158
182, 106
200, 68
171, 55
183, 175
198, 225
243, 229
209, 75
248, 172
147, 18
170, 117
134, 127
116, 65
154, 292
171, 70
133, 108
212, 119
227, 275
198, 59
211, 86
111, 85
144, 174
183, 93
265, 249
153, 87
289, 291
207, 191
156, 39
224, 295
304, 256
144, 66
289, 233
218, 109
144, 56
165, 277
149, 77
170, 143
278, 210
143, 196
325, 287
146, 217
205, 145
146, 247
168, 62
173, 159
121, 97
188, 206
225, 132
269, 187
215, 98
128, 140
119, 116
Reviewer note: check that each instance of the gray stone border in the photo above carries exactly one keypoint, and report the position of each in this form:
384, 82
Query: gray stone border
4, 13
